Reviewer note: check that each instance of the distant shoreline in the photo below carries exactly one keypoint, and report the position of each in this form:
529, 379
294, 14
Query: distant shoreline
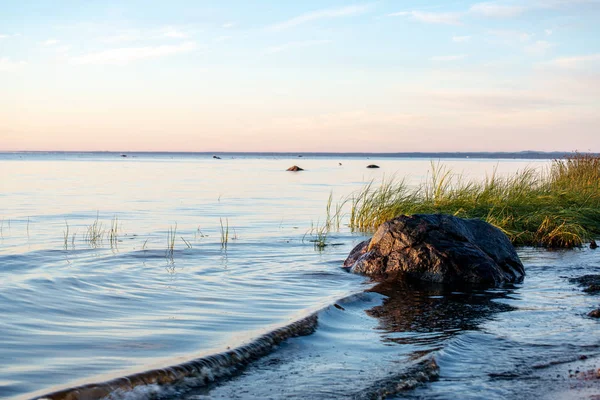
528, 155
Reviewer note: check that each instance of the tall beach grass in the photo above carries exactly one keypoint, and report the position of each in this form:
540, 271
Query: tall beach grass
557, 207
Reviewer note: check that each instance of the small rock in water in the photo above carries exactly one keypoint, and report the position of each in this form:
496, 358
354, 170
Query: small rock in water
336, 305
123, 155
372, 166
590, 282
593, 244
217, 157
592, 289
595, 313
294, 168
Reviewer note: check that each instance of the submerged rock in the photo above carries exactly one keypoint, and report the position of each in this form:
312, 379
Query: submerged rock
294, 168
438, 248
591, 283
372, 166
595, 313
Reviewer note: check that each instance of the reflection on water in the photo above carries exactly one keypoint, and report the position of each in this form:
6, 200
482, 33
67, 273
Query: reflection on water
433, 309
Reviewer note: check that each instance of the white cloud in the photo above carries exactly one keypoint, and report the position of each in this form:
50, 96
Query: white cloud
174, 34
6, 35
548, 32
320, 14
123, 36
291, 45
222, 38
564, 3
495, 10
576, 62
447, 18
133, 35
539, 47
125, 55
461, 39
6, 64
228, 25
50, 42
449, 58
62, 49
511, 36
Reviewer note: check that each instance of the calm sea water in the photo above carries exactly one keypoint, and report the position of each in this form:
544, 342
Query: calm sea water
75, 311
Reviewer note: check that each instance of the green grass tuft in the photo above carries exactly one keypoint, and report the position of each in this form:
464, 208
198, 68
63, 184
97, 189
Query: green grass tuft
556, 208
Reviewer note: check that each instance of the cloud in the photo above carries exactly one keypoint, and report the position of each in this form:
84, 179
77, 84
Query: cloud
50, 42
6, 64
490, 9
223, 38
576, 62
548, 32
133, 35
126, 55
320, 14
495, 10
123, 36
539, 47
511, 36
291, 45
447, 18
62, 49
564, 3
228, 25
174, 33
455, 57
6, 36
461, 39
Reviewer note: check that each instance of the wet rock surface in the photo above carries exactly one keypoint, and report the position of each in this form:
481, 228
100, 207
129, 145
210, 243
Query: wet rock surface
591, 283
594, 313
438, 248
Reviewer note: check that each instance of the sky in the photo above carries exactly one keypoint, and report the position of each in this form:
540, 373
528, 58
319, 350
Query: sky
327, 75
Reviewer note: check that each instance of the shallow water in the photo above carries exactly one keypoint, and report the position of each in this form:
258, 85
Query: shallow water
75, 312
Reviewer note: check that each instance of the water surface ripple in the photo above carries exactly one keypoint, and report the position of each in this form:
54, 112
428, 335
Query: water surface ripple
75, 312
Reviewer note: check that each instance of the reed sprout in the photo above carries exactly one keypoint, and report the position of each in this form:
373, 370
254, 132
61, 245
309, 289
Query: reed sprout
224, 232
66, 235
188, 244
95, 233
320, 232
554, 207
171, 234
113, 232
199, 233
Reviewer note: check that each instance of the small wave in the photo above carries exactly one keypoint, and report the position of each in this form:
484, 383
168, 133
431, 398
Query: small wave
203, 370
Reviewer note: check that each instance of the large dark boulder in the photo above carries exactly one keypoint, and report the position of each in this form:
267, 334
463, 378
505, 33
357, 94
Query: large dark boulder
438, 248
